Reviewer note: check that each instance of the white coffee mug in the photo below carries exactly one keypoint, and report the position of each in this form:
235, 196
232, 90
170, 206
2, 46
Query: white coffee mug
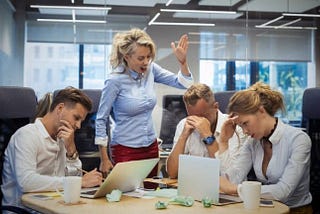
71, 189
249, 192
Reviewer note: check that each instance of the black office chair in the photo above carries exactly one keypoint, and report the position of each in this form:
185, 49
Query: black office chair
223, 97
17, 108
173, 111
84, 137
311, 123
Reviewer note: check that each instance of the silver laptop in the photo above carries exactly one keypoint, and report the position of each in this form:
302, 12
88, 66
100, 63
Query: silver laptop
198, 177
125, 176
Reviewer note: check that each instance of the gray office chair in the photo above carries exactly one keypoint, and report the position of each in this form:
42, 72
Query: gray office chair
173, 110
223, 97
311, 123
17, 108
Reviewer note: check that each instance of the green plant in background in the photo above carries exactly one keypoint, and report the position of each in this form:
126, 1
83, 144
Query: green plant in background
264, 74
292, 86
291, 81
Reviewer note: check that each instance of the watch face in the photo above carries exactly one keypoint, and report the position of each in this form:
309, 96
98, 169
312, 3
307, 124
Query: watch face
209, 140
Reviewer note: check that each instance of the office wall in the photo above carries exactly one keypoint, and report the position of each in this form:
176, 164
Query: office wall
7, 41
11, 45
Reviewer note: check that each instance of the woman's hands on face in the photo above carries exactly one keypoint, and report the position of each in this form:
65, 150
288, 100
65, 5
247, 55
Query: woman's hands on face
228, 128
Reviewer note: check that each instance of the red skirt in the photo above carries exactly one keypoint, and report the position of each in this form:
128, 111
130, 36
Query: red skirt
120, 153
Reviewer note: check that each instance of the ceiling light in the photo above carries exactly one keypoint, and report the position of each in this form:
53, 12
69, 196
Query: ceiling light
284, 26
154, 18
273, 20
168, 2
198, 11
70, 7
289, 23
72, 21
182, 23
153, 22
302, 15
287, 27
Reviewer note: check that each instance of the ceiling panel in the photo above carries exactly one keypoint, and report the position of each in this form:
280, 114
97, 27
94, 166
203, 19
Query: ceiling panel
294, 6
259, 11
140, 3
218, 2
207, 16
69, 12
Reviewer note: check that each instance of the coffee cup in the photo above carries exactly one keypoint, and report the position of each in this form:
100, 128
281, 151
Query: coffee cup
71, 189
249, 192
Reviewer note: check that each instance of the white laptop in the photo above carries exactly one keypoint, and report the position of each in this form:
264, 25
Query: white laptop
198, 177
125, 176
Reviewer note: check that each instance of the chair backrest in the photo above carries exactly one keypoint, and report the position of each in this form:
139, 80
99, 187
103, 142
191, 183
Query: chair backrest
311, 121
173, 111
223, 97
17, 108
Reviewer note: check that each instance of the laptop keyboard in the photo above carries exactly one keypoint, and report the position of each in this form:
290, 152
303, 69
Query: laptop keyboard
90, 192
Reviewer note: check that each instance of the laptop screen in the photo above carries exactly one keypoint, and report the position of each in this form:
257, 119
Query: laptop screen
198, 177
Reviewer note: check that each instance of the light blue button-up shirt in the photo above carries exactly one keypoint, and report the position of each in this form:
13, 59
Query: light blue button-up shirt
133, 98
288, 172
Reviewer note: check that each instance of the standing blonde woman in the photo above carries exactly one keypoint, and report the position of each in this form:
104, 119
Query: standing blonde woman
129, 92
278, 152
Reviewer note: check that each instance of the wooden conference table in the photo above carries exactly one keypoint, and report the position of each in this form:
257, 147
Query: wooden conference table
136, 205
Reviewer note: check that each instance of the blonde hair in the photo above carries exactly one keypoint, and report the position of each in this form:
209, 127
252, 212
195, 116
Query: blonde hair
250, 100
44, 104
196, 92
125, 43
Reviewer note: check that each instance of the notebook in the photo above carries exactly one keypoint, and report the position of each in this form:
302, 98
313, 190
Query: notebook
125, 176
199, 178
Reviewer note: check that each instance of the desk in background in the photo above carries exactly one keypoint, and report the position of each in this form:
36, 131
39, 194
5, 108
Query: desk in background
136, 205
162, 171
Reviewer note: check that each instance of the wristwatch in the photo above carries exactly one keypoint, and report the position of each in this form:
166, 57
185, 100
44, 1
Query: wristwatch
74, 156
208, 140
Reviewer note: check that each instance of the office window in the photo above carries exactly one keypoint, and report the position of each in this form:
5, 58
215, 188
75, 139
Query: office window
96, 65
36, 74
36, 51
55, 72
49, 75
291, 78
50, 52
213, 73
235, 58
242, 75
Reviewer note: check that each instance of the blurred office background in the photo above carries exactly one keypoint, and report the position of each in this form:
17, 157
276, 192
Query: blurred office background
48, 45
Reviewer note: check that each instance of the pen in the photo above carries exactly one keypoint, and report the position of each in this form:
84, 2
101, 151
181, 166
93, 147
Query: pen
82, 170
85, 172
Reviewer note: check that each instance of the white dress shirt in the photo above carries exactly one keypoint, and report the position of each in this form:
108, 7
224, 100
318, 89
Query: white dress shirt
33, 162
195, 146
288, 170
